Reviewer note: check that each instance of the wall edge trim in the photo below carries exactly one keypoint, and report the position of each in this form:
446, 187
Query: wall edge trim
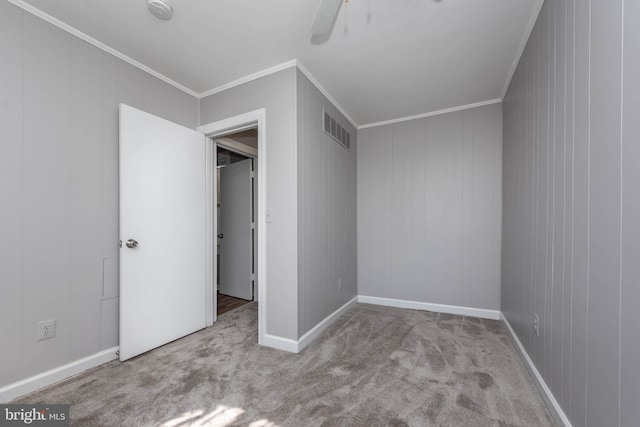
52, 376
323, 91
317, 330
432, 113
439, 308
544, 390
523, 44
248, 78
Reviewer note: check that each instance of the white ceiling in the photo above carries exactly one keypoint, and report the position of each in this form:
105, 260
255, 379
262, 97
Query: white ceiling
386, 59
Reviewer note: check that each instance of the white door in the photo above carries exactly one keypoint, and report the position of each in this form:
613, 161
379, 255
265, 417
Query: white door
162, 227
235, 230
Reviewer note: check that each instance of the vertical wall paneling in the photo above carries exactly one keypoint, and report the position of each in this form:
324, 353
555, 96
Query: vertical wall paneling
417, 214
630, 227
400, 200
326, 210
435, 215
109, 322
484, 260
529, 128
46, 196
374, 169
568, 205
542, 235
429, 209
453, 205
573, 122
496, 195
467, 212
580, 280
11, 112
110, 96
59, 189
604, 214
547, 319
86, 269
558, 218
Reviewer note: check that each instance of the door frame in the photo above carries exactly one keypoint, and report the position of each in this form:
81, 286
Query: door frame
220, 128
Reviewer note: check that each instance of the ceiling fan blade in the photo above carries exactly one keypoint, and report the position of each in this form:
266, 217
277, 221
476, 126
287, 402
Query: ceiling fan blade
325, 16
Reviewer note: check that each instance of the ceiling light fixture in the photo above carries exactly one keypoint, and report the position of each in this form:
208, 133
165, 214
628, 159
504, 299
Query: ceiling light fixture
161, 9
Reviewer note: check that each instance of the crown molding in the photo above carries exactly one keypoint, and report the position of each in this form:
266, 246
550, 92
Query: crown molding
523, 44
322, 90
250, 77
432, 113
268, 71
71, 30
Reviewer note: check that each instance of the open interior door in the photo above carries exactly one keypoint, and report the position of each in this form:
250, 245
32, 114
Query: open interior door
235, 232
162, 227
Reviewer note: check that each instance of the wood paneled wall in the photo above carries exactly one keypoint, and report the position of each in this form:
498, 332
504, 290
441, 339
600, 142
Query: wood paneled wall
571, 206
429, 209
59, 101
326, 211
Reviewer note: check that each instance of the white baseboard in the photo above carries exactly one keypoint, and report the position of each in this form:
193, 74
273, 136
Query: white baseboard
293, 346
280, 343
542, 385
36, 382
307, 338
439, 308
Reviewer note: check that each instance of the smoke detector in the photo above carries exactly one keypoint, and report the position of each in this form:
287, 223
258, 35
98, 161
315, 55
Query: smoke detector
160, 9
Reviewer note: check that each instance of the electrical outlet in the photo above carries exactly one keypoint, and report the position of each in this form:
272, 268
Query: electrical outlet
340, 283
46, 329
536, 324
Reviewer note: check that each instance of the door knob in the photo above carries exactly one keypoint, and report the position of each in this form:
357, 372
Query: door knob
131, 243
220, 236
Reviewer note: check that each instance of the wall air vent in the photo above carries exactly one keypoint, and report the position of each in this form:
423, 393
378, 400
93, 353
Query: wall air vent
332, 128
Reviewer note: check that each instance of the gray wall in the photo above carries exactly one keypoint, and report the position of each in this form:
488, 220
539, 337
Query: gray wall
429, 209
59, 189
326, 211
275, 93
571, 227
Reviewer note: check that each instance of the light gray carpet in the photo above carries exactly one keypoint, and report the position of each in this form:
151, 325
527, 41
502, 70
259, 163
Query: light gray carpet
375, 366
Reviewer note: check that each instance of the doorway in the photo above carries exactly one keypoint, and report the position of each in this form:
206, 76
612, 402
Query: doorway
236, 209
187, 196
216, 130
